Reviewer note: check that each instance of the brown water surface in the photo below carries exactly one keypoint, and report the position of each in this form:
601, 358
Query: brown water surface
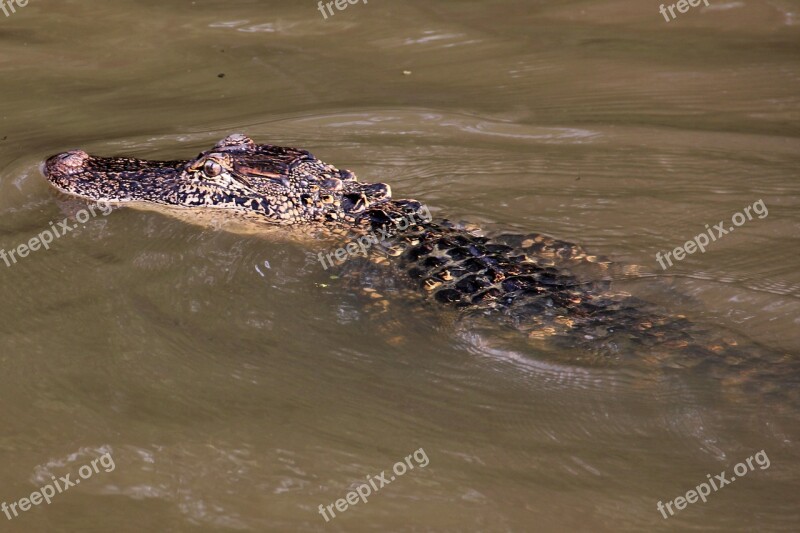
234, 395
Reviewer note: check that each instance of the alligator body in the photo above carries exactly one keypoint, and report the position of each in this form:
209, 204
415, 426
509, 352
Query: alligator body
531, 282
286, 186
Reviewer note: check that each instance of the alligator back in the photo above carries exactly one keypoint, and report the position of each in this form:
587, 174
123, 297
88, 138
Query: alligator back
557, 295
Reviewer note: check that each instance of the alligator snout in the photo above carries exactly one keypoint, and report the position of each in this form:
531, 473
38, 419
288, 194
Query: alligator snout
65, 163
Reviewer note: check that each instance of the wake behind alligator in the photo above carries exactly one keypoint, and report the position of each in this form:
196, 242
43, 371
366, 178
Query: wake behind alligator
552, 291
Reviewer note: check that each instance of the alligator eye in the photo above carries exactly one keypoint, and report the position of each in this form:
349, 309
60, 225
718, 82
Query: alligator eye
212, 169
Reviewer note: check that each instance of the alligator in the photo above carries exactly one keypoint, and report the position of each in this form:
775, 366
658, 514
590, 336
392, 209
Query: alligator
548, 289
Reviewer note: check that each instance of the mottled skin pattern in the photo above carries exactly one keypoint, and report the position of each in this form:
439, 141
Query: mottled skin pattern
532, 282
269, 183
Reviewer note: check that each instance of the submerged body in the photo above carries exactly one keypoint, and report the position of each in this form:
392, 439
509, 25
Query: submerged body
548, 289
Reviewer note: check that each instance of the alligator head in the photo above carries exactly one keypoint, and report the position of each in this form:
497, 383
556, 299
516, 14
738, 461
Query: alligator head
270, 183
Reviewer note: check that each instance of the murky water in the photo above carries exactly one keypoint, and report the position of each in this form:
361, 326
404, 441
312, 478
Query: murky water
238, 395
